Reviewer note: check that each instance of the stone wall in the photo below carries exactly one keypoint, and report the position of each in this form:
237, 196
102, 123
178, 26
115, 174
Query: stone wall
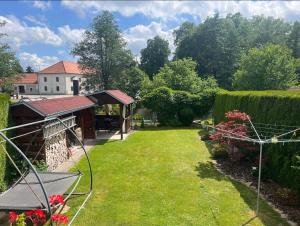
56, 150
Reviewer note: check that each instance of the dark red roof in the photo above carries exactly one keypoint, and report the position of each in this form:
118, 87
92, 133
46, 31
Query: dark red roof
58, 106
119, 95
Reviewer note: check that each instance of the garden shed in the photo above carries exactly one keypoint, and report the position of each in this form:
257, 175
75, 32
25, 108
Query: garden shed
51, 141
121, 121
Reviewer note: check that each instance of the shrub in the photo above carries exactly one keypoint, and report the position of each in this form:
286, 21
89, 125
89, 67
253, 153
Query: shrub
186, 116
4, 109
219, 151
271, 107
169, 103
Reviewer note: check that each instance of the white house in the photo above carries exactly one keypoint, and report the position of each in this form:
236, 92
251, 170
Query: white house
58, 78
27, 84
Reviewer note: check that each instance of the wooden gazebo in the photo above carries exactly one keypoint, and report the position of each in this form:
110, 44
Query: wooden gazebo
123, 100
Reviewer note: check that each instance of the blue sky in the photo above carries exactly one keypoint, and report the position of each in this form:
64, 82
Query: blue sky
44, 32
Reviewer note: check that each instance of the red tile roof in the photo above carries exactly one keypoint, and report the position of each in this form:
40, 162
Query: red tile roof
120, 96
59, 106
27, 78
63, 67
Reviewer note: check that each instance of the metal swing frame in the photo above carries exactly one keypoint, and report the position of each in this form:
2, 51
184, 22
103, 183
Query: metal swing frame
260, 141
48, 207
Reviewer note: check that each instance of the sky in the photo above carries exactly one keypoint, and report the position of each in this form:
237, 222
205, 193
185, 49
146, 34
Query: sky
44, 32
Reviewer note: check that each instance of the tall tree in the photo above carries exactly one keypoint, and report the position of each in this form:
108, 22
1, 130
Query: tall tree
270, 67
29, 69
102, 53
155, 55
186, 29
130, 81
294, 40
214, 46
217, 43
9, 64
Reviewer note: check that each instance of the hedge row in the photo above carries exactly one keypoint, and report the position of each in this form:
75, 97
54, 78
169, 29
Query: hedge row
4, 108
271, 107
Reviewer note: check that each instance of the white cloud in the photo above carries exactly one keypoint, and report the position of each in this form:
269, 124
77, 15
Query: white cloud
61, 52
35, 21
137, 36
170, 10
70, 35
19, 34
42, 4
35, 61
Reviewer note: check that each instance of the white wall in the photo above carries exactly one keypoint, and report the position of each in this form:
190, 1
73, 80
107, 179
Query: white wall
65, 83
29, 88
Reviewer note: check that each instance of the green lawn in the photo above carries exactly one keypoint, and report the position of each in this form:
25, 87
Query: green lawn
164, 177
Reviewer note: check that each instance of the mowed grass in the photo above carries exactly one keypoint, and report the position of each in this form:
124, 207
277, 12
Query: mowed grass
164, 177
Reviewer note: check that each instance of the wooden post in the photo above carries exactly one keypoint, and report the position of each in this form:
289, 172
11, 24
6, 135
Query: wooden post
121, 120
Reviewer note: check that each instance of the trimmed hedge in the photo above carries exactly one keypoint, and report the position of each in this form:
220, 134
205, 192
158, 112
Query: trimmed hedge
4, 109
272, 107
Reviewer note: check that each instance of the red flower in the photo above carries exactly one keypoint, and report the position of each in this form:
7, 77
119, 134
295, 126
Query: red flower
56, 199
59, 219
36, 216
13, 216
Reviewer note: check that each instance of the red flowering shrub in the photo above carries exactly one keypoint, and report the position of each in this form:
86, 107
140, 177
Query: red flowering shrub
56, 199
13, 216
36, 216
59, 219
234, 127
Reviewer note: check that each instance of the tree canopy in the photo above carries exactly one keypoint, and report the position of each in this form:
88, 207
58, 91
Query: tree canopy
130, 81
269, 67
9, 64
155, 55
103, 53
218, 43
29, 69
182, 75
294, 40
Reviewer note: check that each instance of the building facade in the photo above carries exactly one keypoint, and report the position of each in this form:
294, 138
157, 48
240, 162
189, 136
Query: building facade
27, 84
57, 79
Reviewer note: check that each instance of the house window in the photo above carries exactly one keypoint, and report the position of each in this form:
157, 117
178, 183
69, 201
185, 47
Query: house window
71, 88
57, 88
45, 79
57, 79
45, 88
30, 89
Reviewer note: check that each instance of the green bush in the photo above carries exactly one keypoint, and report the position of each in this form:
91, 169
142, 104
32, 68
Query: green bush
186, 116
270, 107
170, 104
4, 108
219, 151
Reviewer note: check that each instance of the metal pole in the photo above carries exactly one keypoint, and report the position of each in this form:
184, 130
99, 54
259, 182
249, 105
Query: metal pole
259, 176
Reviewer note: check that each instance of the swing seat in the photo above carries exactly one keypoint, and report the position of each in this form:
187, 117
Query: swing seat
21, 197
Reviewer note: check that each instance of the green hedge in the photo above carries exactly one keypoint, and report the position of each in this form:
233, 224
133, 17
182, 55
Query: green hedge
280, 107
4, 108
